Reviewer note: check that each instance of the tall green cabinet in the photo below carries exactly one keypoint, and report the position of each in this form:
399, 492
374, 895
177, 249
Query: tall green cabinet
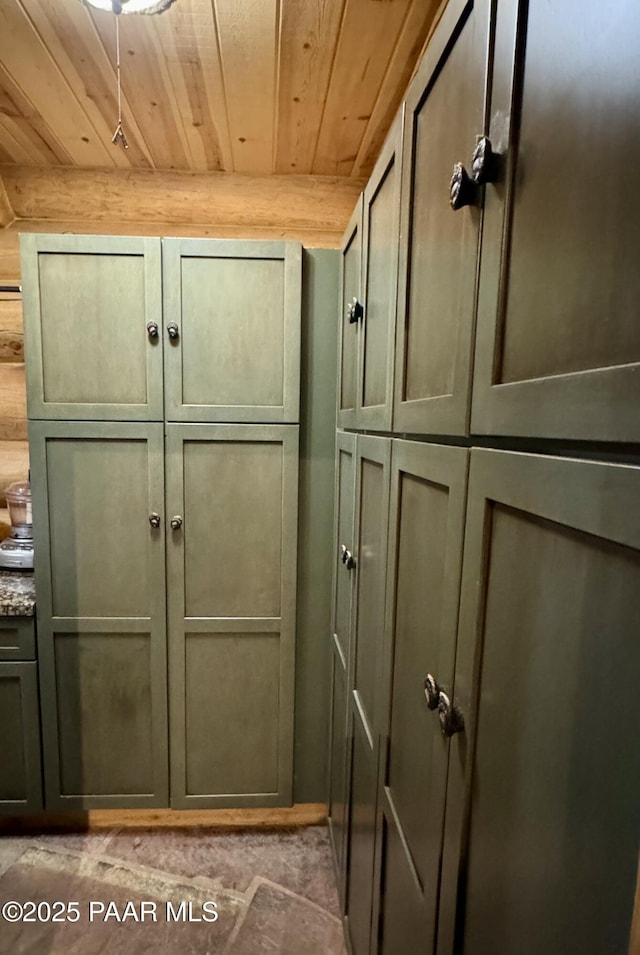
163, 383
484, 786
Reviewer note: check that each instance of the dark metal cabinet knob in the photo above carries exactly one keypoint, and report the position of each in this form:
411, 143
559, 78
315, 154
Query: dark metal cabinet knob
431, 692
462, 188
152, 329
173, 330
485, 164
355, 311
154, 519
176, 522
347, 557
450, 716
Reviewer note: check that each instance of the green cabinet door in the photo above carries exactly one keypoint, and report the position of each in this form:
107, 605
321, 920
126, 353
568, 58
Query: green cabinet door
232, 495
93, 327
558, 340
343, 577
20, 765
232, 330
544, 784
98, 489
351, 293
426, 525
444, 114
365, 705
381, 227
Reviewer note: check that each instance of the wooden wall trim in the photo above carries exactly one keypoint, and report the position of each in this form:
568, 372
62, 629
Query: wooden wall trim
6, 212
320, 203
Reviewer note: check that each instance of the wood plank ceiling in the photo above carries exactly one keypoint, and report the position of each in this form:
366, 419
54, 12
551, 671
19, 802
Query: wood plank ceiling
259, 87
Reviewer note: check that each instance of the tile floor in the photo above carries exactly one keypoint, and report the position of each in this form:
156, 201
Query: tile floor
274, 892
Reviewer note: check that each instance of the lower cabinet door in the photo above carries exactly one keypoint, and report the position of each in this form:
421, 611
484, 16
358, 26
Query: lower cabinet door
20, 766
545, 784
98, 502
232, 502
365, 668
338, 765
426, 525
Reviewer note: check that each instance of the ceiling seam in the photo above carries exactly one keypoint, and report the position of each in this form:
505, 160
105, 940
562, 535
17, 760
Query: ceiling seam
63, 78
328, 86
275, 132
214, 9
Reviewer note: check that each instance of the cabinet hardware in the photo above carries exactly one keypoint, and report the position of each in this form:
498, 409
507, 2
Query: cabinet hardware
176, 522
355, 311
450, 716
485, 164
173, 330
154, 519
431, 691
152, 329
462, 188
347, 557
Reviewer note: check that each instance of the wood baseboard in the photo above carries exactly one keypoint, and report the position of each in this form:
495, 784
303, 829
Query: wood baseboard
94, 820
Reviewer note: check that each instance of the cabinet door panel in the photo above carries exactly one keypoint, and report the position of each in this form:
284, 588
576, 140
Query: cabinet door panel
100, 581
87, 303
428, 496
557, 320
338, 794
236, 356
20, 770
439, 247
549, 623
232, 566
349, 338
361, 837
343, 576
381, 215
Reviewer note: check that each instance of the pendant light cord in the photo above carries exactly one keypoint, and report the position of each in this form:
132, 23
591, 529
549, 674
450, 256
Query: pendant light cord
119, 138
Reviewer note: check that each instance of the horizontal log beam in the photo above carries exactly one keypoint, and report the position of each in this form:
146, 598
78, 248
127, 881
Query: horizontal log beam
13, 403
11, 333
289, 203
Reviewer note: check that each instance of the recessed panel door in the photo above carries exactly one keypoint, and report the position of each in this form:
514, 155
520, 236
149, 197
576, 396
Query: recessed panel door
558, 341
350, 319
444, 113
341, 630
426, 520
381, 226
98, 493
21, 765
366, 701
546, 779
232, 531
232, 330
93, 327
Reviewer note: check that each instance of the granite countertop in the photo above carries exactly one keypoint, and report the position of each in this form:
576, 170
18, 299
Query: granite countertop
17, 593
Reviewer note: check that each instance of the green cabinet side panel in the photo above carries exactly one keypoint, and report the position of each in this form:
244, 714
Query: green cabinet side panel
547, 675
100, 580
236, 305
87, 303
232, 598
20, 766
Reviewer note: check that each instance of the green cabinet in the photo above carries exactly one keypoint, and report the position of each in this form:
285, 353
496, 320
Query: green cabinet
231, 561
98, 491
369, 293
426, 527
192, 663
558, 339
20, 766
91, 307
543, 814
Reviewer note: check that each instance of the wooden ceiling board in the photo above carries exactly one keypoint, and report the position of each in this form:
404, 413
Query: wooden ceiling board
365, 46
248, 37
24, 133
70, 36
309, 33
25, 57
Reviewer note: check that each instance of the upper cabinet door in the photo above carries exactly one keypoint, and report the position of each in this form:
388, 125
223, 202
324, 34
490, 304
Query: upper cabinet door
543, 797
93, 319
381, 225
558, 347
445, 113
352, 310
232, 330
